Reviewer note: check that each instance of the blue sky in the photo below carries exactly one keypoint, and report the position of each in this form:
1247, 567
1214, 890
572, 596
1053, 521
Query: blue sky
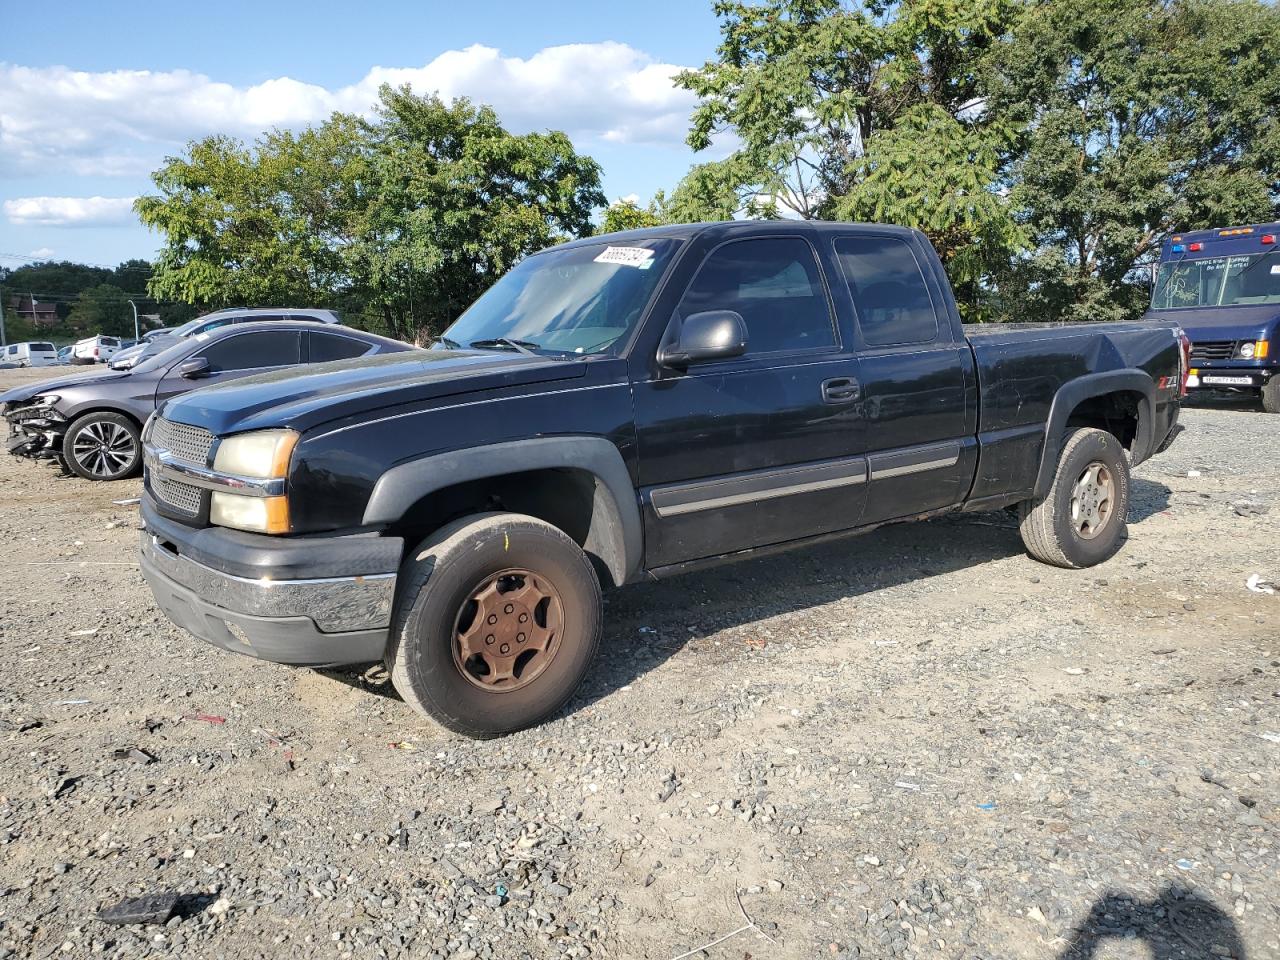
88, 109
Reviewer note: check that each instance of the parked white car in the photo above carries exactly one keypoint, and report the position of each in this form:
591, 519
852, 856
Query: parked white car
97, 349
37, 353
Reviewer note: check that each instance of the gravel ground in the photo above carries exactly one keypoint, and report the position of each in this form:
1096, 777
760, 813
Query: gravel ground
918, 743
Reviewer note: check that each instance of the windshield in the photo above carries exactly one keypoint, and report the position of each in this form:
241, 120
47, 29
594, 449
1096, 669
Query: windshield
579, 300
1218, 281
161, 354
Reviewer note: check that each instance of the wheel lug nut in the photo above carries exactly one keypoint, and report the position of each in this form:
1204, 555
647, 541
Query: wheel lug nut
524, 618
493, 618
489, 638
520, 637
505, 648
508, 608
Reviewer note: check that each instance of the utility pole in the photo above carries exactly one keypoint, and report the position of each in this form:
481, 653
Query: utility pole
136, 335
2, 340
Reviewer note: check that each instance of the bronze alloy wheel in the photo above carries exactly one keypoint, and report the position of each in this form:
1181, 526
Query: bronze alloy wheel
508, 630
1092, 500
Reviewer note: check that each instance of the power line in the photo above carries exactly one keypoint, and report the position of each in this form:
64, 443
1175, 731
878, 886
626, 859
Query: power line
81, 263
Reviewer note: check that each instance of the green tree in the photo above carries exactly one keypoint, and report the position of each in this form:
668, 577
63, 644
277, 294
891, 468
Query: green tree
627, 215
261, 225
401, 220
867, 109
102, 309
1139, 119
454, 201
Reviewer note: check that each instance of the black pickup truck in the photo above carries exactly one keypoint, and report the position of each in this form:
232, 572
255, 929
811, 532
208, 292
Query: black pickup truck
625, 408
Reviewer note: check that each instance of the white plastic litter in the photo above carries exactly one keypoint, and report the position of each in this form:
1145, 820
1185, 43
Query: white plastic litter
1259, 585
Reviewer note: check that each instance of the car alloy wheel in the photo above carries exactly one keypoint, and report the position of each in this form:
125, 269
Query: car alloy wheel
103, 448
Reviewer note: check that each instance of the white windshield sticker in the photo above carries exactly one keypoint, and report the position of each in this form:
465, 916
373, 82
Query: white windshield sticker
627, 256
1275, 268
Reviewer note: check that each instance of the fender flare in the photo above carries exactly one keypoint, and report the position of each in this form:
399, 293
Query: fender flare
615, 534
1071, 394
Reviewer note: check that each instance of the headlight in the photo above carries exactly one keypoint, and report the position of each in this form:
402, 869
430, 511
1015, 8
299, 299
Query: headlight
1253, 350
263, 455
45, 400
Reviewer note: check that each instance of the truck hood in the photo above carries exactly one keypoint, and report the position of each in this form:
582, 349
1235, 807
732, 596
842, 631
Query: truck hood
1249, 322
29, 390
307, 396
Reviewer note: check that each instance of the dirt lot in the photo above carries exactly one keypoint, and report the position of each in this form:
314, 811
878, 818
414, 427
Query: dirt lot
917, 743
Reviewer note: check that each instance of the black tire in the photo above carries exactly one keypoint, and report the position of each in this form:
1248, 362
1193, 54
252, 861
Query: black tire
103, 446
1065, 534
439, 583
1271, 395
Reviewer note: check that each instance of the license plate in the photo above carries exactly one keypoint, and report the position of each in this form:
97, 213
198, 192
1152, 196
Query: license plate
1229, 381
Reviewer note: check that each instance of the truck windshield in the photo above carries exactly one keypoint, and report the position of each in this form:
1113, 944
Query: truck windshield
1218, 281
578, 300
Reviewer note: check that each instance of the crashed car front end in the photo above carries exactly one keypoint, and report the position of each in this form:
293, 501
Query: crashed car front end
36, 427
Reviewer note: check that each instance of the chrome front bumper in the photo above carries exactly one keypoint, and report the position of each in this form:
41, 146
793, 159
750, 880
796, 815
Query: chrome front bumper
313, 622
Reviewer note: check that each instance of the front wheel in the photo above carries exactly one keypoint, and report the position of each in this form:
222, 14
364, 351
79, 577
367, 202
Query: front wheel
103, 446
1080, 522
1271, 395
497, 621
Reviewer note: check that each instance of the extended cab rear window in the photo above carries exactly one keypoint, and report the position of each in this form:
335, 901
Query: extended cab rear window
888, 290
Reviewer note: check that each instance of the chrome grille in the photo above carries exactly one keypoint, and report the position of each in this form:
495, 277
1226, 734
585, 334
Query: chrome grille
184, 442
1212, 350
179, 496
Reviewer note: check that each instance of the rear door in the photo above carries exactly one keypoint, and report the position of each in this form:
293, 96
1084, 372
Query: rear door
914, 367
757, 449
233, 356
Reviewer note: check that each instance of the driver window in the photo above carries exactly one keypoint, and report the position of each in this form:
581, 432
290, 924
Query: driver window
773, 283
252, 351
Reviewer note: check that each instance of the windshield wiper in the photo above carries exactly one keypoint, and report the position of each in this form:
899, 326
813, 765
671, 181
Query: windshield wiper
451, 344
520, 346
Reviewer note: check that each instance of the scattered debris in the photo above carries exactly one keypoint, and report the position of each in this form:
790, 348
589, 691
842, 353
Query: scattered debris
1193, 473
132, 753
1258, 585
989, 805
1250, 508
1075, 671
749, 925
84, 633
401, 745
127, 501
207, 718
904, 785
71, 703
153, 908
1184, 864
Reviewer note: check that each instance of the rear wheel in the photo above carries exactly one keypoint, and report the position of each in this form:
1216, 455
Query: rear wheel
497, 621
103, 446
1271, 395
1081, 520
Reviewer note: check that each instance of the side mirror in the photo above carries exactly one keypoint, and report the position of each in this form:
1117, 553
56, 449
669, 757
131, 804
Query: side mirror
194, 369
710, 335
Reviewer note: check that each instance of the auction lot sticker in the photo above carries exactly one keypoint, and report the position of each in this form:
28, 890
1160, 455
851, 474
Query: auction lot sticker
627, 256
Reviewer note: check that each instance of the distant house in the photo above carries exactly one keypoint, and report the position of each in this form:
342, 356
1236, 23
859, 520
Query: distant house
38, 311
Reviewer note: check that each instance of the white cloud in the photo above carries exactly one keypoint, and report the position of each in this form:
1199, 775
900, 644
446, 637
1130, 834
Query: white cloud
42, 253
59, 120
70, 212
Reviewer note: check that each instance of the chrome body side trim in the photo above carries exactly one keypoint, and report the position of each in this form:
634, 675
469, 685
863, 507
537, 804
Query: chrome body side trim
682, 498
897, 463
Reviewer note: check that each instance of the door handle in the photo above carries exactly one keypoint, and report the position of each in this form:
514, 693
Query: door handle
840, 390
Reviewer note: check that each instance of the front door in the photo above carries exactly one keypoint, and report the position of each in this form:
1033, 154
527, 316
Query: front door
762, 448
